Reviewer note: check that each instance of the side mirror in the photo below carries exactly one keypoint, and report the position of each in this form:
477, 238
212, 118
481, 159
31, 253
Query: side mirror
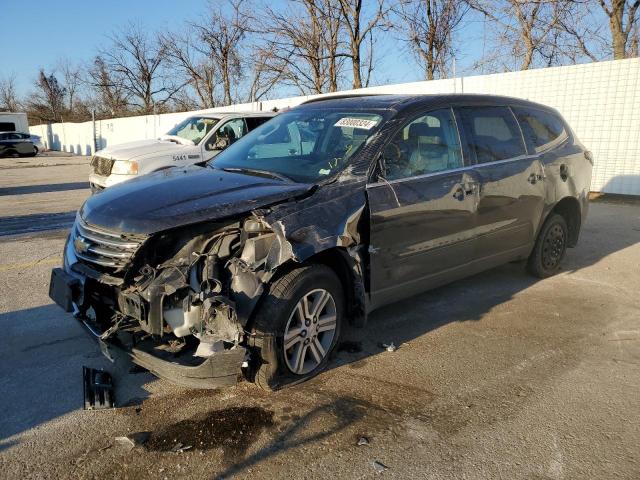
222, 143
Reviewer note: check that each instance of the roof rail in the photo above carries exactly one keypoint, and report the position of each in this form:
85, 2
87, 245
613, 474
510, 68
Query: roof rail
345, 95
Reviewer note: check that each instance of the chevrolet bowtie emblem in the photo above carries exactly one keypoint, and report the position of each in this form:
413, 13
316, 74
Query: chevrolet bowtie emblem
80, 245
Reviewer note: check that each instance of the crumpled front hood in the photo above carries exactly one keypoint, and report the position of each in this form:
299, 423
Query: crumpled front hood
133, 150
182, 196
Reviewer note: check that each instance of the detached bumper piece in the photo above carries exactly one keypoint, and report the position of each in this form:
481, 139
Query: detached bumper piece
97, 389
220, 370
63, 288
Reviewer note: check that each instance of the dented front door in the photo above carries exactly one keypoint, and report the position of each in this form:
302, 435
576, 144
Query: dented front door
422, 233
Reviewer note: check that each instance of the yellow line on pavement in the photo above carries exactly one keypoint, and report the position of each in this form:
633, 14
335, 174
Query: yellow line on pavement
16, 266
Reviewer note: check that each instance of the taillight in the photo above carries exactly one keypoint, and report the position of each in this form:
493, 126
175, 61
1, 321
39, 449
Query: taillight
589, 156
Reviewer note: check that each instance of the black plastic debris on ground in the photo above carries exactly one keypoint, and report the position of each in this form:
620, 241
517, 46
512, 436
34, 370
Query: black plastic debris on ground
97, 389
350, 346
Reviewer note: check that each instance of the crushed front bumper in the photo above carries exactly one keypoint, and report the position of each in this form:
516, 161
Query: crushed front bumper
222, 369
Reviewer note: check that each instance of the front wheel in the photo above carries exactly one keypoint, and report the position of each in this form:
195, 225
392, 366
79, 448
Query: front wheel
298, 326
550, 247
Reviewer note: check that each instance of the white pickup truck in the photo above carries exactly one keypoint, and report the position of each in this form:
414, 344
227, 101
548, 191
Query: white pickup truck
195, 140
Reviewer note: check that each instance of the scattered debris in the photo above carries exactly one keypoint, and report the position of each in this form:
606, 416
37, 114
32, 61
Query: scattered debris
180, 448
125, 442
132, 440
390, 347
350, 346
135, 369
97, 389
363, 441
379, 467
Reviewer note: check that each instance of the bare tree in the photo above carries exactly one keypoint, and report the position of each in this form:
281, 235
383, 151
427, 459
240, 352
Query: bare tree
136, 62
581, 32
359, 30
302, 44
188, 56
223, 33
111, 97
530, 30
264, 77
623, 19
634, 43
48, 99
8, 96
72, 80
429, 26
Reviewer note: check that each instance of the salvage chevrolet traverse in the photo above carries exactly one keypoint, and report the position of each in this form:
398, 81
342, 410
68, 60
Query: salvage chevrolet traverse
253, 264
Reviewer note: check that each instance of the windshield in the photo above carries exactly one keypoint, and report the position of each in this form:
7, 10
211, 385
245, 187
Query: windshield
194, 128
304, 145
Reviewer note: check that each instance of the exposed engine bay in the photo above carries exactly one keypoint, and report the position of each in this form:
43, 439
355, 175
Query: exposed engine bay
185, 294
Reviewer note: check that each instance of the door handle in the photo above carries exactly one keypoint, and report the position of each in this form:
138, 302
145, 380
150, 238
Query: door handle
534, 177
463, 190
459, 193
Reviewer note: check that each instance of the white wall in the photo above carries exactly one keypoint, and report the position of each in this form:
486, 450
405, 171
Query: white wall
601, 101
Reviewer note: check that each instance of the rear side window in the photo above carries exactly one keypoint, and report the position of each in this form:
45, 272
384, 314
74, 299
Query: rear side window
492, 133
255, 122
7, 126
541, 129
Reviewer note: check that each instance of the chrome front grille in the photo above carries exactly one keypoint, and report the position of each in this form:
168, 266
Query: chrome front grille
101, 247
102, 166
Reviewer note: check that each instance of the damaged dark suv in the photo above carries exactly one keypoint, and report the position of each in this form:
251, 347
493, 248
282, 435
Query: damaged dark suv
252, 264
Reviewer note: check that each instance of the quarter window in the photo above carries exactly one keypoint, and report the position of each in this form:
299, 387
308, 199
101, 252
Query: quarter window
541, 129
492, 133
255, 122
428, 144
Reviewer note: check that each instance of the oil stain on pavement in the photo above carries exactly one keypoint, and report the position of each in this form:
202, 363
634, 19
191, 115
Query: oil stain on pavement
232, 429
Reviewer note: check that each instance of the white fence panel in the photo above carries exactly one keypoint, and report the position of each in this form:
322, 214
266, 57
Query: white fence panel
601, 101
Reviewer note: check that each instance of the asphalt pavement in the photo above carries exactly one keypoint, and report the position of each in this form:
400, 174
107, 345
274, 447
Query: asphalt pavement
496, 376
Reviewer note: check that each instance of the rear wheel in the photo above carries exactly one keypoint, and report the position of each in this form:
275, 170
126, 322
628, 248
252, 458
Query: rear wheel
298, 326
550, 247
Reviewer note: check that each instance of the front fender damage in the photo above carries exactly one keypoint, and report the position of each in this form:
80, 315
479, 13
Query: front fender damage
189, 297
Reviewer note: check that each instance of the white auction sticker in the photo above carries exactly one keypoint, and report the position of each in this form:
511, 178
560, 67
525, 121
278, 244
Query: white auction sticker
361, 123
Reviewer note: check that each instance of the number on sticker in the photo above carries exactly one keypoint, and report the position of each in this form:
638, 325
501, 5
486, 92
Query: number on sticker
361, 123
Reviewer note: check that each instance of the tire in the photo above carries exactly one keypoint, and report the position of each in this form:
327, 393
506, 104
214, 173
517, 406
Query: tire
279, 314
550, 247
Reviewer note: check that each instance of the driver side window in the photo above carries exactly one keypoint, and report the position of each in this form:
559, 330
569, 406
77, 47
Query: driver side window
227, 134
428, 144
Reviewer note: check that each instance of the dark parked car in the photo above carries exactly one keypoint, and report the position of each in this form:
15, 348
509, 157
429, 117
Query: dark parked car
15, 143
321, 215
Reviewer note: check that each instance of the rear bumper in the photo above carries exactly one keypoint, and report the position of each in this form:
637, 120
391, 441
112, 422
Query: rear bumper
222, 369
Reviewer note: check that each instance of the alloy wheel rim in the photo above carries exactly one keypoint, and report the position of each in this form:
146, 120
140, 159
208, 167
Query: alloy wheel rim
310, 331
553, 247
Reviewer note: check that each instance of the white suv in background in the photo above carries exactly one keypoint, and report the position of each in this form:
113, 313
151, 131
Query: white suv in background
195, 140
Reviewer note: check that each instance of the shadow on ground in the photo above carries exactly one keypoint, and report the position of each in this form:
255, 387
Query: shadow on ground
36, 222
50, 187
50, 348
42, 351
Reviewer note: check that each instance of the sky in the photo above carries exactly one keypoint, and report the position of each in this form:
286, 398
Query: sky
37, 34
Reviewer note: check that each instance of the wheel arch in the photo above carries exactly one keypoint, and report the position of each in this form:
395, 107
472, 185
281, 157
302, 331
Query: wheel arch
342, 264
569, 208
346, 269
